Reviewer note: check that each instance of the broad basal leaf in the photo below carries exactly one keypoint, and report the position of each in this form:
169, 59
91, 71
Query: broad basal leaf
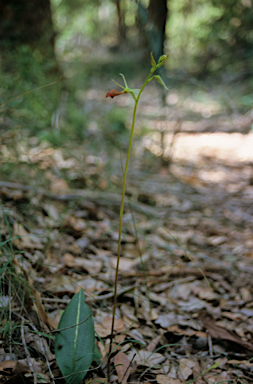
74, 347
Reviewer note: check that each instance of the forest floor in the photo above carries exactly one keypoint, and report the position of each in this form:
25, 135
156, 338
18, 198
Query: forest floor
185, 304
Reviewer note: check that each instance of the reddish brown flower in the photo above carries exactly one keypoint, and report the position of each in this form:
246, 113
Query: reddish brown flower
113, 93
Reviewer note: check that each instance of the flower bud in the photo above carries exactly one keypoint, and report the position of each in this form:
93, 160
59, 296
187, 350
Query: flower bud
153, 63
162, 60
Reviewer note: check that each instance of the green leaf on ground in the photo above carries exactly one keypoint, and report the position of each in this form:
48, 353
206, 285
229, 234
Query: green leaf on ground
74, 346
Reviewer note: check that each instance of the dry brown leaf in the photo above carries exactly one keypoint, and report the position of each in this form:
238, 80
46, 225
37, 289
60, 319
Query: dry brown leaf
135, 334
91, 266
217, 240
144, 311
61, 284
121, 364
173, 371
8, 364
167, 364
197, 370
78, 224
102, 349
124, 263
148, 331
118, 324
221, 333
39, 306
52, 211
182, 236
193, 304
99, 380
39, 344
160, 299
25, 240
59, 186
130, 251
164, 379
104, 329
245, 293
181, 291
166, 319
205, 293
129, 323
129, 317
92, 285
117, 344
185, 368
211, 378
146, 358
232, 316
243, 363
41, 311
153, 344
20, 366
177, 330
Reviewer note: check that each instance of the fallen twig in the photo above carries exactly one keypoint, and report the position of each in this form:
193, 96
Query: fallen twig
28, 356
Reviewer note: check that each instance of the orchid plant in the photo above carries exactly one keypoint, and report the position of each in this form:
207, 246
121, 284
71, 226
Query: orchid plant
135, 93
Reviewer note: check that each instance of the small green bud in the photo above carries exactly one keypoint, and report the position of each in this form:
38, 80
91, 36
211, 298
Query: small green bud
162, 60
160, 81
153, 63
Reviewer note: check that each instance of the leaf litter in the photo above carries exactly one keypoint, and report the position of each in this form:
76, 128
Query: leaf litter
185, 305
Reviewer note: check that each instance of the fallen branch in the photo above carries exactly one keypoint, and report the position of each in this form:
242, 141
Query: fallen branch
99, 198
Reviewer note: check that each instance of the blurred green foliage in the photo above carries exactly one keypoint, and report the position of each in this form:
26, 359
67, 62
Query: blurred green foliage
203, 38
88, 19
21, 104
116, 132
206, 36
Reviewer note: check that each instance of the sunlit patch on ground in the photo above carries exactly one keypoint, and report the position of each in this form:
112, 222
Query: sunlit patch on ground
227, 147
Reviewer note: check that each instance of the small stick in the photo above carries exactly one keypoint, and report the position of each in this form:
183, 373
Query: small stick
42, 345
210, 343
71, 326
10, 322
29, 360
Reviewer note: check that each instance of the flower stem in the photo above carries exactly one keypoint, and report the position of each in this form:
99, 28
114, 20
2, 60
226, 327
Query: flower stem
121, 218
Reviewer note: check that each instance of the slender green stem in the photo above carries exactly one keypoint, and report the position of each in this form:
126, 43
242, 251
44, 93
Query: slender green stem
121, 216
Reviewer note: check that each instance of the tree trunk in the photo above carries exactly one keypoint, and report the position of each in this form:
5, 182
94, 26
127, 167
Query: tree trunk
27, 23
121, 22
157, 16
153, 19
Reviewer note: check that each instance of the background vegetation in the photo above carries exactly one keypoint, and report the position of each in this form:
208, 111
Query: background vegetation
208, 42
